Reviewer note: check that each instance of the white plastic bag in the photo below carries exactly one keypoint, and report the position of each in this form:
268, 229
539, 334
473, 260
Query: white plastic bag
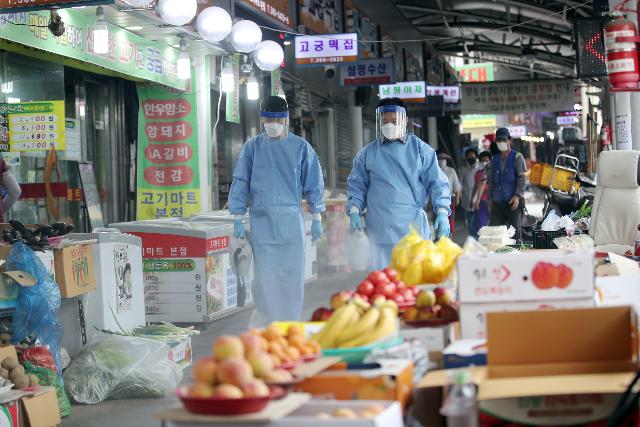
358, 250
121, 367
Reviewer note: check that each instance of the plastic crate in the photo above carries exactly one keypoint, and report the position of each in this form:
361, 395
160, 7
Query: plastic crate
564, 180
536, 173
547, 172
358, 354
544, 239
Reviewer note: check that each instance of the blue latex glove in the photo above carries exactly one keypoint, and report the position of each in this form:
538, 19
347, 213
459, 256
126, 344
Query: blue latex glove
442, 225
355, 221
238, 229
316, 229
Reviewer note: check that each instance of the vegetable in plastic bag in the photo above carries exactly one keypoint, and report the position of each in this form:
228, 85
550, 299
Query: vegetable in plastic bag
48, 377
121, 367
36, 313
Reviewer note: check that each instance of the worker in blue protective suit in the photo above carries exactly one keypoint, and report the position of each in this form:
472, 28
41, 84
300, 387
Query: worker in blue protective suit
392, 178
275, 170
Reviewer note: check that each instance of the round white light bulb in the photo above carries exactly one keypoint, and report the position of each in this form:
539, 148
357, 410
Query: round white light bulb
245, 36
214, 24
177, 12
253, 89
268, 56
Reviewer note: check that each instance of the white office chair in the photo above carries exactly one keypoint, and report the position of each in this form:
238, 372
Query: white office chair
616, 208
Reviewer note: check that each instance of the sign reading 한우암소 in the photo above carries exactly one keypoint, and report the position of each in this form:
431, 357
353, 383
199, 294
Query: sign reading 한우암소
407, 91
368, 72
326, 49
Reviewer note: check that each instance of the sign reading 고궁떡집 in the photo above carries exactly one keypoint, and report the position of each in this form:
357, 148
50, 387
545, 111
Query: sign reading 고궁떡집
326, 49
168, 174
128, 53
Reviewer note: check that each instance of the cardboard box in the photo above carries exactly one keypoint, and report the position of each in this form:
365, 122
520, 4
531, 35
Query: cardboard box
387, 380
545, 275
618, 291
10, 414
561, 376
181, 352
41, 409
465, 353
473, 316
434, 339
75, 270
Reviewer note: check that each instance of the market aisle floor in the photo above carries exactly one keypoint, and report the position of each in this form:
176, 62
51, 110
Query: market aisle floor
129, 413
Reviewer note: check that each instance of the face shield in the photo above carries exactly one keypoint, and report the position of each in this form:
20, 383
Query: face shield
275, 124
391, 122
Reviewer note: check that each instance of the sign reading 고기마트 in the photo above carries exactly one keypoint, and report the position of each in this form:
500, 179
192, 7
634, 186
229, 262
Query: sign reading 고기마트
326, 49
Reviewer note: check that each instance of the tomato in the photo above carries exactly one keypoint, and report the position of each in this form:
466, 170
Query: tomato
377, 278
366, 288
390, 273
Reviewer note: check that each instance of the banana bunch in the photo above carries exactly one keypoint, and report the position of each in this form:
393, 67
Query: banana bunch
357, 324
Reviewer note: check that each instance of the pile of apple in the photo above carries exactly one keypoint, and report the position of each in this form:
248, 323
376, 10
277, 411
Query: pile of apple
385, 283
243, 366
369, 412
431, 305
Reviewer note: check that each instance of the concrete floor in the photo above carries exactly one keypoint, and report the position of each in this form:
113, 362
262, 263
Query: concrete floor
138, 413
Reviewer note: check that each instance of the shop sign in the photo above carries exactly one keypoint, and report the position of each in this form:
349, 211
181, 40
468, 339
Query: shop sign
321, 16
277, 9
24, 5
276, 82
474, 121
517, 131
476, 73
168, 174
36, 126
368, 72
566, 120
518, 96
408, 91
128, 53
450, 94
233, 98
358, 22
327, 49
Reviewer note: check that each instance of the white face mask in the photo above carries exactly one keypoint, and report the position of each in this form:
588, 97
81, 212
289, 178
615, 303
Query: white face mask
485, 163
503, 146
442, 163
274, 130
390, 131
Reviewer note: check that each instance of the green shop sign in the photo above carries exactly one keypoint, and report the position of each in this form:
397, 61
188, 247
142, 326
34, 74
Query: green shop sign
128, 53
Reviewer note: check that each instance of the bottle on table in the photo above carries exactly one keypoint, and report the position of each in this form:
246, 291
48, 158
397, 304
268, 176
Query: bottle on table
461, 407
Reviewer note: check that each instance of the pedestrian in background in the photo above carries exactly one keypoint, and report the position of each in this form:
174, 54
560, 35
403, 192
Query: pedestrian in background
481, 193
454, 184
468, 179
506, 184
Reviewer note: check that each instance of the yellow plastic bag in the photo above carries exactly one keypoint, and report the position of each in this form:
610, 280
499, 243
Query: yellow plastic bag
434, 268
413, 274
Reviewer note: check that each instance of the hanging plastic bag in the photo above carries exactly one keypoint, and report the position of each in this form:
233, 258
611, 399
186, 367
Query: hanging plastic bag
121, 367
36, 313
48, 377
358, 250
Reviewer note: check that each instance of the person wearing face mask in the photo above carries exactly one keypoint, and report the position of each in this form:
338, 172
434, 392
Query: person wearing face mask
392, 178
480, 198
454, 184
506, 184
467, 177
275, 170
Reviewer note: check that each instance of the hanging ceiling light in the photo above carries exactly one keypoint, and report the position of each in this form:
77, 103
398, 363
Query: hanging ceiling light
184, 61
214, 24
245, 36
227, 82
268, 56
177, 12
253, 89
528, 56
7, 87
100, 33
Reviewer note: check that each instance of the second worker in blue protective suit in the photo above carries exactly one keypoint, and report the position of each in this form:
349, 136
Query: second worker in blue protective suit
392, 178
274, 171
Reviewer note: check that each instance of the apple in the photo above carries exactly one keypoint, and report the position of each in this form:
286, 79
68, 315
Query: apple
544, 275
416, 290
366, 288
443, 296
340, 298
200, 390
228, 391
390, 273
255, 388
260, 362
399, 299
377, 278
253, 342
205, 371
279, 376
448, 312
408, 295
387, 289
565, 276
411, 315
326, 315
428, 313
377, 299
321, 314
400, 285
235, 371
425, 298
228, 346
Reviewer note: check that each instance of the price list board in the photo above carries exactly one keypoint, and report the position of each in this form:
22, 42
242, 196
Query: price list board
4, 128
36, 126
